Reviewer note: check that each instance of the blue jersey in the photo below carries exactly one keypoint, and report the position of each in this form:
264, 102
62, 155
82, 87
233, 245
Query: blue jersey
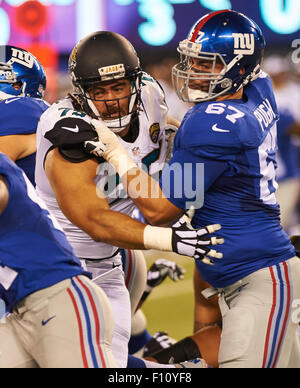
34, 252
20, 116
226, 150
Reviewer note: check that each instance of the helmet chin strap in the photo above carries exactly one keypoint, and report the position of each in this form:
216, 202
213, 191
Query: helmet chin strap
22, 94
118, 125
115, 125
194, 94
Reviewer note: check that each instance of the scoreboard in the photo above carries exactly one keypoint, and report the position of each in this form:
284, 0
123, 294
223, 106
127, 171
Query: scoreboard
146, 23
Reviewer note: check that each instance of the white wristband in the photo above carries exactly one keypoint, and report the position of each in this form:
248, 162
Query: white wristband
158, 238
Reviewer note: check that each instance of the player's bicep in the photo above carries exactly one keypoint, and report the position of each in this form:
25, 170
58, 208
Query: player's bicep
18, 146
75, 190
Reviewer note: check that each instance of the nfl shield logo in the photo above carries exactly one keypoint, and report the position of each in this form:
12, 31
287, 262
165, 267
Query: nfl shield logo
136, 151
154, 132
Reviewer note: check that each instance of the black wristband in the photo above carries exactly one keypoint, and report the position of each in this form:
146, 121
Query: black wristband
184, 350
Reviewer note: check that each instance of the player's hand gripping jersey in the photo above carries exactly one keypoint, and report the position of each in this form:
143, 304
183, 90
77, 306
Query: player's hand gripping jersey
66, 128
236, 141
20, 116
34, 252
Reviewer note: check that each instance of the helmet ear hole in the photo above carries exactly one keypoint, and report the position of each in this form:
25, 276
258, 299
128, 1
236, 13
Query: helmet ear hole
17, 85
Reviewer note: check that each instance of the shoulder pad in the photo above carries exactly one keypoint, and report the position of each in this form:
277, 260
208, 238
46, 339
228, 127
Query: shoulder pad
75, 153
70, 130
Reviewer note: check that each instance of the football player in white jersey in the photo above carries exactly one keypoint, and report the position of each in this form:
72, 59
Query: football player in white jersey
84, 193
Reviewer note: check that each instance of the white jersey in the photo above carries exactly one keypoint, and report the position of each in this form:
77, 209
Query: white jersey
149, 148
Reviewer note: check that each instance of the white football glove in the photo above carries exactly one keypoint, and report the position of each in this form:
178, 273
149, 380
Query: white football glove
113, 152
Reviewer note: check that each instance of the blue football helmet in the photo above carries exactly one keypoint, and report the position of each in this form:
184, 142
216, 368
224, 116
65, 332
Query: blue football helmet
231, 46
21, 74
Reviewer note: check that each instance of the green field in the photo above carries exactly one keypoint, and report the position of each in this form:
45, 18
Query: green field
170, 306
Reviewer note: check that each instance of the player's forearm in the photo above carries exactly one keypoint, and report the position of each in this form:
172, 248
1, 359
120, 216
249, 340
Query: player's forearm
116, 229
148, 196
121, 230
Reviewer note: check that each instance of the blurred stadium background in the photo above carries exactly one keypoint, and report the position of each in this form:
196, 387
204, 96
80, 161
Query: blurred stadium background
50, 28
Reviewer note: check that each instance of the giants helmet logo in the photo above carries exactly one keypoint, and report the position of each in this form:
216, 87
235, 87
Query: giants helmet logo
243, 44
22, 57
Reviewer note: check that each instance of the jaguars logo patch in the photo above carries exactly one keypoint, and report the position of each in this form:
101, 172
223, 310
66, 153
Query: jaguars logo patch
72, 60
154, 132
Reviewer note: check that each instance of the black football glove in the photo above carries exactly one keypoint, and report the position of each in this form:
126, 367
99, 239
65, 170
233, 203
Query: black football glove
161, 269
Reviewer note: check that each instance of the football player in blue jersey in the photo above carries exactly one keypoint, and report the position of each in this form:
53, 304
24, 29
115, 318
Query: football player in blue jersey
57, 317
225, 149
22, 85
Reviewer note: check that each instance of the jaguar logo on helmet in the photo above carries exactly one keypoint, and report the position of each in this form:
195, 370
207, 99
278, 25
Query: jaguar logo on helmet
72, 63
